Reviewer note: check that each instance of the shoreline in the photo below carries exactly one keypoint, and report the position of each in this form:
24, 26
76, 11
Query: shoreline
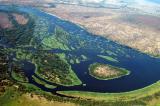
111, 96
84, 28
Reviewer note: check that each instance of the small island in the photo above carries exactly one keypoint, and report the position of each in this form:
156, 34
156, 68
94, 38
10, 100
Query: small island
106, 72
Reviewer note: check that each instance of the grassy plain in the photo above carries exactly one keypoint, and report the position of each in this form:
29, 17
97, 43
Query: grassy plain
13, 97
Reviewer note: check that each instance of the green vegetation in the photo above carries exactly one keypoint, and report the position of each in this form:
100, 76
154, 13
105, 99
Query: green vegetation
10, 95
43, 83
52, 43
27, 87
55, 68
4, 74
147, 96
106, 72
19, 75
108, 58
62, 56
13, 95
15, 36
84, 57
22, 54
50, 67
72, 59
59, 40
3, 65
143, 96
33, 100
111, 53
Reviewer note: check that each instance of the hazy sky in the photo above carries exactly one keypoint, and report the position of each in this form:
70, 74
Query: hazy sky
122, 1
149, 6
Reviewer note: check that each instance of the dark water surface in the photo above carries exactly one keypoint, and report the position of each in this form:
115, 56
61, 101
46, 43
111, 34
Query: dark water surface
145, 70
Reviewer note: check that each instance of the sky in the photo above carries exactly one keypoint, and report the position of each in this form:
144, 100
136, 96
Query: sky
149, 6
144, 2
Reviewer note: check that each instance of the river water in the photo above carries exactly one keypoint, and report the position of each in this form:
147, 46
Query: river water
145, 70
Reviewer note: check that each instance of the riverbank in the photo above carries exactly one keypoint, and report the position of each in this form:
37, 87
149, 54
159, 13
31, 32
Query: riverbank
17, 95
30, 95
141, 96
128, 28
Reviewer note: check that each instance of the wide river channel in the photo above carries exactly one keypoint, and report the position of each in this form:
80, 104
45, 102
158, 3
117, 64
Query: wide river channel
145, 70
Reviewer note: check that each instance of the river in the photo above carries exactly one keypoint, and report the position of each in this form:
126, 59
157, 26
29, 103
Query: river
145, 70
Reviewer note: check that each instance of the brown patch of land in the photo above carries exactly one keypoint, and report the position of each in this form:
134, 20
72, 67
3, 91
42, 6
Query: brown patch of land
143, 20
20, 19
128, 27
105, 71
151, 21
4, 21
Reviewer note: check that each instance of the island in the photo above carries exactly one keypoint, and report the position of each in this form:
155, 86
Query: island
106, 72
